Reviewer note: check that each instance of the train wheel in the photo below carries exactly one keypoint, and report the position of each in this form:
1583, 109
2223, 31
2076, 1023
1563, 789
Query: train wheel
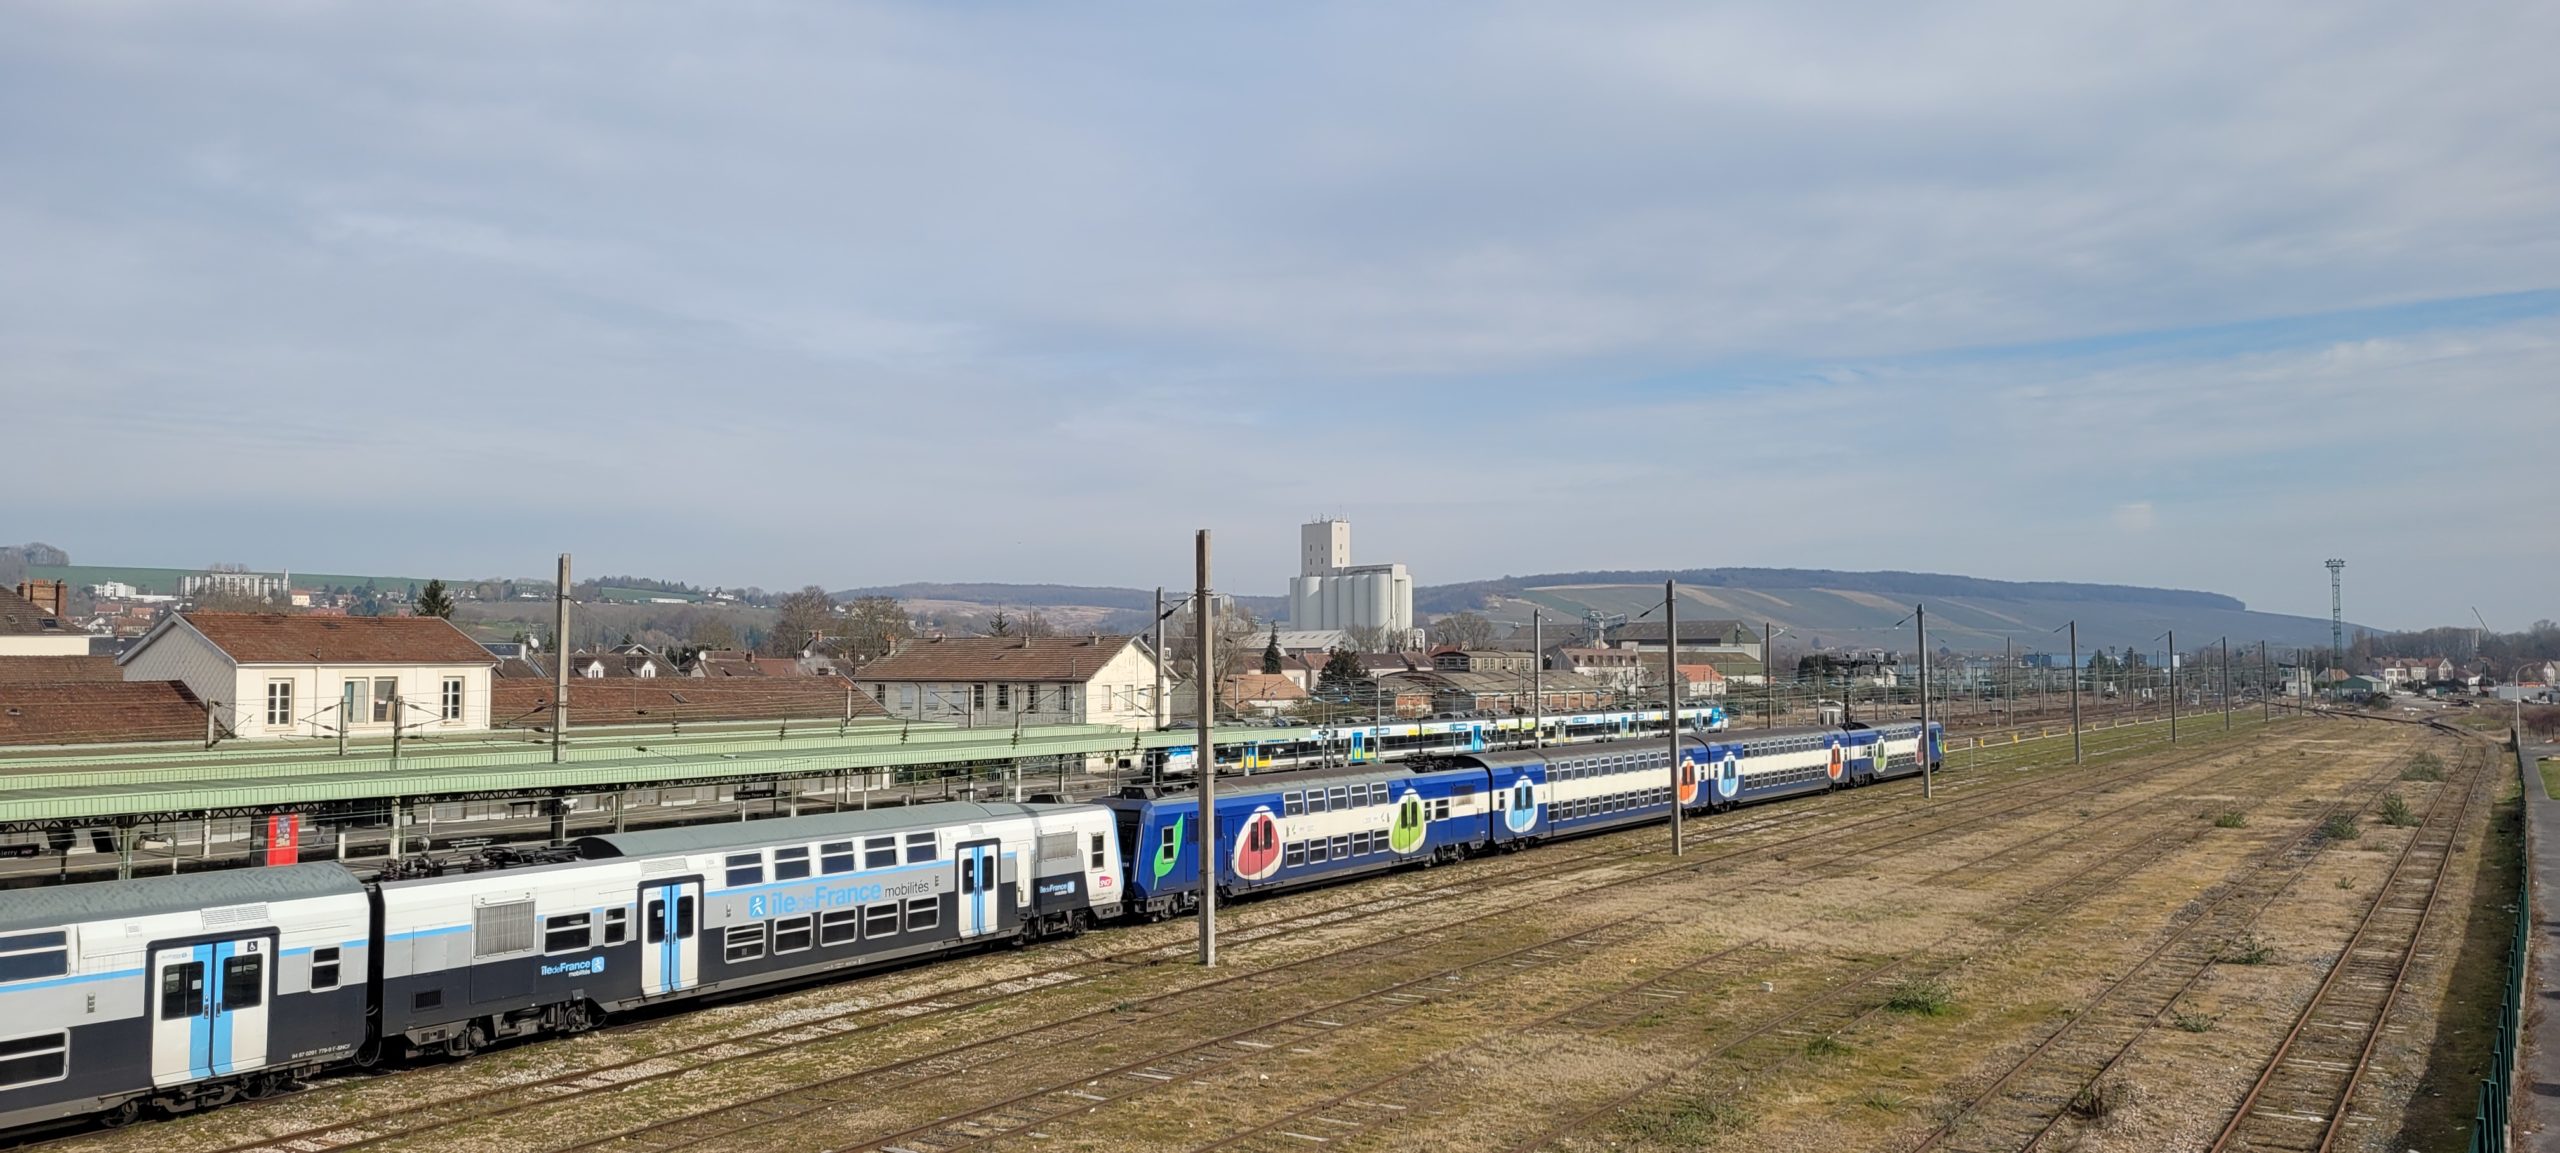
122, 1113
466, 1042
261, 1086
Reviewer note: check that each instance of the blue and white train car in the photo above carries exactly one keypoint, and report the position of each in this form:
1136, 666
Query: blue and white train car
665, 914
177, 992
1277, 830
1590, 788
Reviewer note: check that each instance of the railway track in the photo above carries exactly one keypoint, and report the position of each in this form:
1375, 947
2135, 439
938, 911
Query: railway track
2302, 1100
2029, 1101
1367, 1106
663, 1065
1016, 1111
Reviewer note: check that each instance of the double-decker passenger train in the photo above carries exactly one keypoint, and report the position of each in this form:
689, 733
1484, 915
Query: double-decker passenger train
173, 994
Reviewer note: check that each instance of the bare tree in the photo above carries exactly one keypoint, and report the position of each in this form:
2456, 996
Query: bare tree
805, 614
875, 624
1464, 630
1367, 638
1034, 624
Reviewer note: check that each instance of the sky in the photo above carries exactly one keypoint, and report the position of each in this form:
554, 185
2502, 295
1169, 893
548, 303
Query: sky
2182, 294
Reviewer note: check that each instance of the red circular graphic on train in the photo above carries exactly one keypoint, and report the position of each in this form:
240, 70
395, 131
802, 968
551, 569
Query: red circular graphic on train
1688, 781
1258, 846
1838, 763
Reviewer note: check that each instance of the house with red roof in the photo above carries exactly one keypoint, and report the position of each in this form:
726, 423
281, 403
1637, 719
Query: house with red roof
274, 675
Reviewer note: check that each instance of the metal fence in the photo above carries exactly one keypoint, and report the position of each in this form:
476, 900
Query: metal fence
2489, 1122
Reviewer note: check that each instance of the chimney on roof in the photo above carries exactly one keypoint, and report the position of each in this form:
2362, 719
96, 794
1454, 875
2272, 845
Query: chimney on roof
46, 595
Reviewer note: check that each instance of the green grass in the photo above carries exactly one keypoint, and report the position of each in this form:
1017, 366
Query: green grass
2551, 777
165, 580
1921, 997
2340, 828
1684, 1124
2395, 812
2248, 949
2235, 819
1826, 1046
2423, 767
2196, 1022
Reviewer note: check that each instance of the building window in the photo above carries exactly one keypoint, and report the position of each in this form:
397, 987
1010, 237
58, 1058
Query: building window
453, 698
1066, 698
977, 696
880, 693
907, 697
279, 703
1004, 696
386, 691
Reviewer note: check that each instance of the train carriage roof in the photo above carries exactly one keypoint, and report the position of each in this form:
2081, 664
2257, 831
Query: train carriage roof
754, 834
54, 906
1230, 784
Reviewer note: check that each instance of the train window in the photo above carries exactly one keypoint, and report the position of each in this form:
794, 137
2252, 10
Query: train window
1296, 854
745, 869
879, 852
34, 1060
923, 913
1315, 800
1440, 809
1293, 804
791, 864
793, 934
838, 927
684, 918
182, 991
1341, 847
28, 956
742, 943
880, 920
1339, 798
617, 924
1315, 851
1093, 857
244, 981
920, 848
1165, 842
567, 932
656, 930
835, 857
324, 969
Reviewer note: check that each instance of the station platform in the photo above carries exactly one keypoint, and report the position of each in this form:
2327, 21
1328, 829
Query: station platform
2537, 1101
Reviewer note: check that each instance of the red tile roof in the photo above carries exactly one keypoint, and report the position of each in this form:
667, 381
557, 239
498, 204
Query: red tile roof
1071, 659
58, 670
99, 713
279, 638
22, 617
524, 704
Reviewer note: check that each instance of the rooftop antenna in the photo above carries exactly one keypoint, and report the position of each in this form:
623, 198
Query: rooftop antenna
2337, 616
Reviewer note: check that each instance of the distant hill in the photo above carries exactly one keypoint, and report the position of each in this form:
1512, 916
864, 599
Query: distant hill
1816, 607
1828, 608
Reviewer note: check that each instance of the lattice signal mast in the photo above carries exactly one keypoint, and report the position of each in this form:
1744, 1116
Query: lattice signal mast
2337, 615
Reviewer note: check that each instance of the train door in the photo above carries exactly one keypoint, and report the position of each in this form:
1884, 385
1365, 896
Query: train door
209, 1009
1359, 746
982, 903
671, 937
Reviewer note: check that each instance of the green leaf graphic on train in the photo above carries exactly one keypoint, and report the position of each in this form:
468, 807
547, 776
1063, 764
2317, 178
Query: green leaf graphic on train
1409, 829
1169, 853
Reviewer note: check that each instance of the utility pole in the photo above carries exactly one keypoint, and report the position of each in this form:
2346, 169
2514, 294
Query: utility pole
1203, 679
1538, 677
560, 665
2074, 626
1671, 703
2226, 684
2337, 614
1160, 658
2266, 682
2172, 671
1928, 783
1769, 673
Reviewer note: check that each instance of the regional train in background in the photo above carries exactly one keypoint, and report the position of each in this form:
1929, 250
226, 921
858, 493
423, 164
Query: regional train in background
167, 995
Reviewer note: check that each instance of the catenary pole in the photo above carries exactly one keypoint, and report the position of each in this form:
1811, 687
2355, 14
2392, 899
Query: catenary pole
1671, 703
1203, 677
1928, 783
1160, 658
2226, 684
2075, 692
2266, 683
2172, 670
560, 664
1769, 673
1538, 677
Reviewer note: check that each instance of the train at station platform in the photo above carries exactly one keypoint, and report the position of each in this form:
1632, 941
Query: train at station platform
168, 995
